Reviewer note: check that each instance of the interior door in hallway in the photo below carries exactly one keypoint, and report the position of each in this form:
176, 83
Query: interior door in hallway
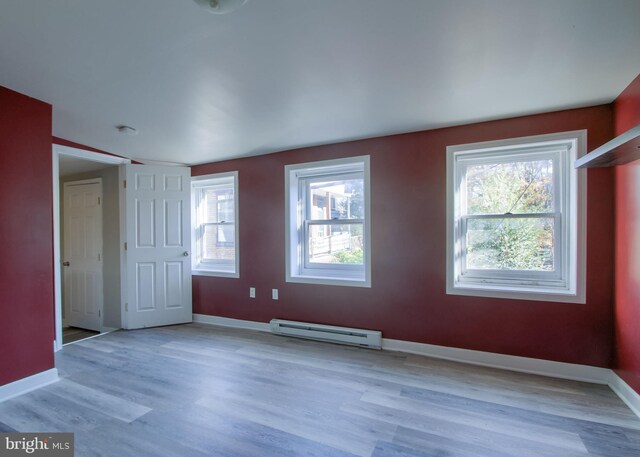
82, 260
158, 263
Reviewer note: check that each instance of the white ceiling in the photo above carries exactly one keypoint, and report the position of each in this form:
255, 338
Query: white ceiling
279, 74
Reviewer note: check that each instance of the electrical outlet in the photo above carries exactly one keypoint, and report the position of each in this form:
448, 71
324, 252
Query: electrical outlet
274, 294
252, 292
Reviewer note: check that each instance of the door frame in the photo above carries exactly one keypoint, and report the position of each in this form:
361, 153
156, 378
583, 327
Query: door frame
57, 151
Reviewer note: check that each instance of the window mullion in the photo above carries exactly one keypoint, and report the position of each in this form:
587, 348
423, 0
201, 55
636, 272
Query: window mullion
511, 216
335, 221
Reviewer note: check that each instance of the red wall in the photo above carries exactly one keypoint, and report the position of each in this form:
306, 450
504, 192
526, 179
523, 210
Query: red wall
26, 265
408, 299
627, 285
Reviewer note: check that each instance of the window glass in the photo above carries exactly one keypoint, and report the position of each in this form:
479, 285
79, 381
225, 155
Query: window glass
336, 244
517, 244
337, 199
510, 187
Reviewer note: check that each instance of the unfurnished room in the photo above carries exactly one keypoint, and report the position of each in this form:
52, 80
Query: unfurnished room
271, 228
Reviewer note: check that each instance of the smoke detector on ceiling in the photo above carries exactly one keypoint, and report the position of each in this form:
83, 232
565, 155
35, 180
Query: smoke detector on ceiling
220, 6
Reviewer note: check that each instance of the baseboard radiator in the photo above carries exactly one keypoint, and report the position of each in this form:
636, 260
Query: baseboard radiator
342, 335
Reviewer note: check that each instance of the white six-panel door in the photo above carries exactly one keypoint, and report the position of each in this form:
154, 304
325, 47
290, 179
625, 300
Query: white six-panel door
82, 259
158, 266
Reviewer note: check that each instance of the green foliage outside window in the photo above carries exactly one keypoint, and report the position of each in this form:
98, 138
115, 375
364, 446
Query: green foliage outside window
510, 188
349, 257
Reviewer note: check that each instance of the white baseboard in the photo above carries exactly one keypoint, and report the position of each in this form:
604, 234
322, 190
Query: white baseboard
571, 371
24, 385
234, 323
625, 392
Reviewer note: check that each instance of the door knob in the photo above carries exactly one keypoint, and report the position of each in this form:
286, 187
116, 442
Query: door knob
185, 253
66, 264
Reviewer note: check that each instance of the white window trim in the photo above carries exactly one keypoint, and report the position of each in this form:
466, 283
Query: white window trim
202, 181
576, 215
293, 256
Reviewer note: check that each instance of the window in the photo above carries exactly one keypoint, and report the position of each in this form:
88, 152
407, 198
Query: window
515, 222
215, 229
328, 228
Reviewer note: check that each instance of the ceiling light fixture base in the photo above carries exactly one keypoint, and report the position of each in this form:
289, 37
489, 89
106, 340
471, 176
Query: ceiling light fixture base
220, 6
126, 130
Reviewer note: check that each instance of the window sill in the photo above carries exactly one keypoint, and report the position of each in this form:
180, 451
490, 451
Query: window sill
517, 293
328, 281
215, 273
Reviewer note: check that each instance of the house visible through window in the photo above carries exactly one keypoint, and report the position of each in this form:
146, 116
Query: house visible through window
514, 219
327, 223
215, 228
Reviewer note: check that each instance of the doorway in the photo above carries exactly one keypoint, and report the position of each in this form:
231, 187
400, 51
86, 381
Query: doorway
91, 299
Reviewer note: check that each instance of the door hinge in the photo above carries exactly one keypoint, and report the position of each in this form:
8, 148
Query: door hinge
126, 307
124, 183
99, 257
99, 313
125, 245
98, 200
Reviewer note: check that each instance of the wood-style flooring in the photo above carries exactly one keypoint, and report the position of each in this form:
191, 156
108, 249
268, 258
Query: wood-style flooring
195, 390
72, 334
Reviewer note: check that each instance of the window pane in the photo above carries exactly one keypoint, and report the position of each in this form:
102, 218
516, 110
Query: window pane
510, 244
341, 244
337, 199
218, 205
219, 242
511, 187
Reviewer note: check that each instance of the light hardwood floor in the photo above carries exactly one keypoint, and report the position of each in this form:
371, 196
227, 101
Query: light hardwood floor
196, 390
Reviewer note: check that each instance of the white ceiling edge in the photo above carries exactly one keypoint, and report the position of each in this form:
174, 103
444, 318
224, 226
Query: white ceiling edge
419, 129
